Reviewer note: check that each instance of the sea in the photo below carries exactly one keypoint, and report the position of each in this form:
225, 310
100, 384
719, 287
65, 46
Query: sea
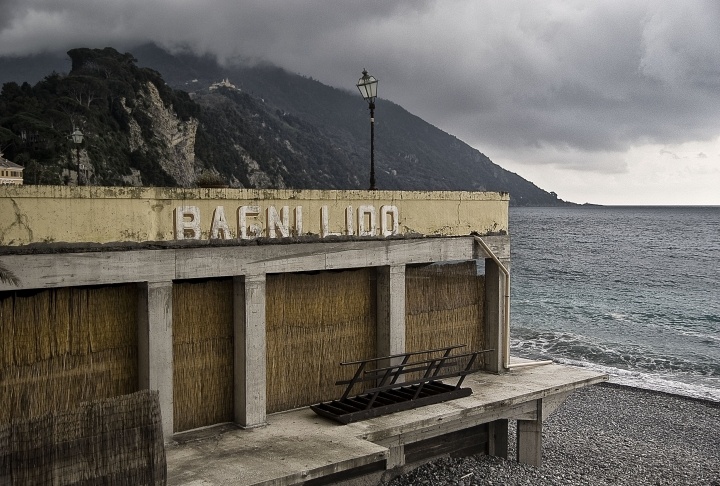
633, 292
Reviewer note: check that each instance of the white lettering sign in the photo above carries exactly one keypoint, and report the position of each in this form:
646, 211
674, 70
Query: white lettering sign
243, 213
366, 221
187, 223
219, 225
392, 213
325, 223
280, 222
298, 221
349, 221
277, 224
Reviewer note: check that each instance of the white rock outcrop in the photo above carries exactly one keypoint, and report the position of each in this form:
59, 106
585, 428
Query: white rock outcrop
175, 138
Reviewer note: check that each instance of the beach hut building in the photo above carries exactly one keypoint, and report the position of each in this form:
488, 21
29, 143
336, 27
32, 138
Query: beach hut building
236, 307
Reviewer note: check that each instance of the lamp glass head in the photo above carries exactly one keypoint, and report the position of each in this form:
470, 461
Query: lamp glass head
368, 87
77, 136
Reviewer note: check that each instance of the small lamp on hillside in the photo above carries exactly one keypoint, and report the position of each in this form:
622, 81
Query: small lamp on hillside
368, 89
77, 138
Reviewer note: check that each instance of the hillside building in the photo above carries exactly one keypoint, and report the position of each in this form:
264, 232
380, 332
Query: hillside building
10, 172
225, 83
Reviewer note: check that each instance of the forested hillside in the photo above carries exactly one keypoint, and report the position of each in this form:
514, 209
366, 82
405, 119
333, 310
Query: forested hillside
161, 125
106, 97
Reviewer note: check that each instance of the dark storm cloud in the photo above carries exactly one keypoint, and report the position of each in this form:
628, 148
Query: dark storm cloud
589, 77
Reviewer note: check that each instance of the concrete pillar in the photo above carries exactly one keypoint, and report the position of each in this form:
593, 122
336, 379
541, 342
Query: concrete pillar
498, 438
529, 439
390, 310
395, 457
155, 346
494, 315
250, 349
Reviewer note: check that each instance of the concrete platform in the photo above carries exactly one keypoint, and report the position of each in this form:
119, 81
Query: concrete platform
299, 446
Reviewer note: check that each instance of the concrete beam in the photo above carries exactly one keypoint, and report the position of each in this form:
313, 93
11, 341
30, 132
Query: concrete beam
409, 435
155, 347
250, 350
395, 457
529, 439
524, 411
390, 310
51, 270
498, 244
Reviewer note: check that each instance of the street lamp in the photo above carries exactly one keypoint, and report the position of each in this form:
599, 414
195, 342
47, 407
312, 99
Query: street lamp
77, 138
368, 89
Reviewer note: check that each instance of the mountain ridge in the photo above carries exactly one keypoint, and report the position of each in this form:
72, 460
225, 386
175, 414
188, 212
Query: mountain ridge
279, 129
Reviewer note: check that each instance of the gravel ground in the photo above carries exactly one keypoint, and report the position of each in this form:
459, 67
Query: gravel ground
603, 435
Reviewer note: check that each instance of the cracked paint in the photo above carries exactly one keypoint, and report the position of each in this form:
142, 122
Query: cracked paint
21, 222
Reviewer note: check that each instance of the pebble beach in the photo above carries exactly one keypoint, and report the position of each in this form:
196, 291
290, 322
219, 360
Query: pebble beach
602, 435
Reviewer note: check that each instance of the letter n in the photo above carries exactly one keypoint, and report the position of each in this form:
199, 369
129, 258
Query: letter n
277, 221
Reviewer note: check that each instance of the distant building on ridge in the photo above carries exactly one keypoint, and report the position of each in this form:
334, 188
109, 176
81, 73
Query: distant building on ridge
10, 172
225, 83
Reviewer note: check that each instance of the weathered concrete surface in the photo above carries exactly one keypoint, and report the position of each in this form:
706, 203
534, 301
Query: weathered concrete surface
390, 312
294, 447
250, 350
155, 345
97, 267
297, 446
36, 214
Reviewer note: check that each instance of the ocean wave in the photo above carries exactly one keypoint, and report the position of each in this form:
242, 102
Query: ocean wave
710, 317
650, 381
706, 338
621, 355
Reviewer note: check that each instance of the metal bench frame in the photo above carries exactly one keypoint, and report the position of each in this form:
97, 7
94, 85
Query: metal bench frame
388, 395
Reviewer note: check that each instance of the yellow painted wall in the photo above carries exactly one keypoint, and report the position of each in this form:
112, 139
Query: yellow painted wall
31, 214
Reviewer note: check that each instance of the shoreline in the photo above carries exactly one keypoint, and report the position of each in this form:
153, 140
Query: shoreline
707, 401
644, 380
603, 434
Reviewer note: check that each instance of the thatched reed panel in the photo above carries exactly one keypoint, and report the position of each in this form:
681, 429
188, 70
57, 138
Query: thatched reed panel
115, 441
443, 307
203, 353
315, 321
60, 347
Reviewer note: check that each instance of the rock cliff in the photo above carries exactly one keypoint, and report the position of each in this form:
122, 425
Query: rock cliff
173, 141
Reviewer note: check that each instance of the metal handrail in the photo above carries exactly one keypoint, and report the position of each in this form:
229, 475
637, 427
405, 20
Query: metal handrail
388, 396
413, 353
432, 368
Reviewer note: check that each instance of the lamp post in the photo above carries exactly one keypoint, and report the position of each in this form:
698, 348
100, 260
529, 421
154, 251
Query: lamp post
77, 138
368, 89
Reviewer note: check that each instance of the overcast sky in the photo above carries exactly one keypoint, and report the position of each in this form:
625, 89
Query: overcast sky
610, 102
